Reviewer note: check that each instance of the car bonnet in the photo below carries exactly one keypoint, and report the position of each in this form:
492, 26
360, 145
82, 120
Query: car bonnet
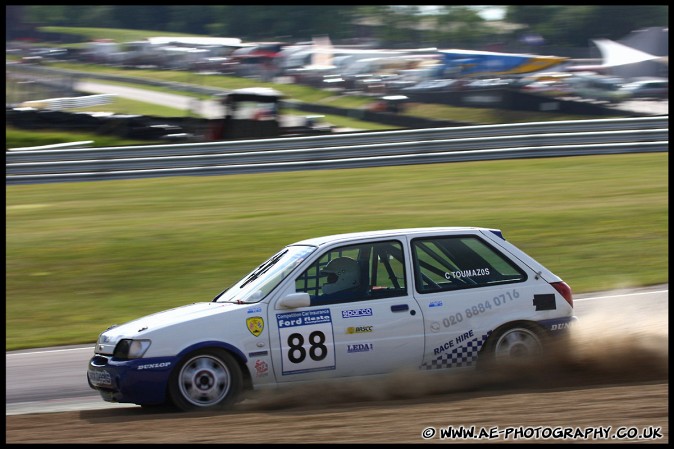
144, 326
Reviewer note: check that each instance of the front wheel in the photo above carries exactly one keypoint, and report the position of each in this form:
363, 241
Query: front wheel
206, 379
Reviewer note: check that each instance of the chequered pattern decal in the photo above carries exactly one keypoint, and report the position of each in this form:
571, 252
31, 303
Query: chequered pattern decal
464, 355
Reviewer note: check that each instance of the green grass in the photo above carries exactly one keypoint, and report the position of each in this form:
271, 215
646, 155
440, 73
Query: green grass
116, 34
82, 256
21, 138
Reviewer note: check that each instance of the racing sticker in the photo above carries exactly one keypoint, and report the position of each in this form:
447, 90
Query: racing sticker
261, 368
358, 329
461, 351
255, 325
307, 342
355, 313
359, 347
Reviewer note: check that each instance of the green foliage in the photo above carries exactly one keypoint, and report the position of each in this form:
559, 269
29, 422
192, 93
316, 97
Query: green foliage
456, 25
577, 25
251, 22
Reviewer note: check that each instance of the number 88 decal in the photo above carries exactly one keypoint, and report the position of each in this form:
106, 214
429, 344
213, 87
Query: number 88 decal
307, 342
317, 351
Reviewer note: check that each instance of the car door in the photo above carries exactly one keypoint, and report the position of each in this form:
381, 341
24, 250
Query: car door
466, 288
375, 331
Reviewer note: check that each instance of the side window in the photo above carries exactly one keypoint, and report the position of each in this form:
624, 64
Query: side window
355, 273
458, 262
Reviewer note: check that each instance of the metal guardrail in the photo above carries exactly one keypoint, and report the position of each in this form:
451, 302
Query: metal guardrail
59, 104
359, 162
339, 152
265, 156
57, 146
343, 139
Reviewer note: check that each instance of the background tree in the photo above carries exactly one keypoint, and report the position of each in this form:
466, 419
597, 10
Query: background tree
460, 24
577, 25
448, 26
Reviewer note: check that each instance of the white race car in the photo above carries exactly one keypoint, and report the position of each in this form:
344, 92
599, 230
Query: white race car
340, 306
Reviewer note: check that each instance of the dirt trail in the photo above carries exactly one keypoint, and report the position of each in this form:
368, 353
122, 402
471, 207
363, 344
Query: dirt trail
615, 375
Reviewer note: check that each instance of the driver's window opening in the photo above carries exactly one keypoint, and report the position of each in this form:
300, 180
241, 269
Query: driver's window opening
355, 273
310, 280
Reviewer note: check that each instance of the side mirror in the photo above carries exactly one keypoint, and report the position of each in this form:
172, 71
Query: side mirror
294, 300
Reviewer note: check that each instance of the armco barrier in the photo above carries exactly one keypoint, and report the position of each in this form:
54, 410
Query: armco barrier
217, 158
513, 100
485, 133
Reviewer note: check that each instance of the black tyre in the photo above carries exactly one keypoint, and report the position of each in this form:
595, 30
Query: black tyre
513, 343
206, 379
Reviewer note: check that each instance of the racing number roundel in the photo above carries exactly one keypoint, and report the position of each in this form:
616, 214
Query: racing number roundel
307, 343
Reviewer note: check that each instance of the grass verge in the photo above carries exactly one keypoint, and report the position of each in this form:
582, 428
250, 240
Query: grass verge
82, 256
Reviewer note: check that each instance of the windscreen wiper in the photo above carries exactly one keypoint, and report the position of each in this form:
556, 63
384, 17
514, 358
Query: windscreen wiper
263, 268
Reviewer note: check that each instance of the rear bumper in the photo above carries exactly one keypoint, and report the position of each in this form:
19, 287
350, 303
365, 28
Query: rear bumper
558, 326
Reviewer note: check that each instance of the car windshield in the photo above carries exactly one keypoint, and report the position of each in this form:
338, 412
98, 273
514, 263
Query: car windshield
256, 285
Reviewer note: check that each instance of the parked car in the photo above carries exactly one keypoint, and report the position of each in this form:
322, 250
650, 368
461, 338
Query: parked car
341, 306
652, 88
548, 88
600, 88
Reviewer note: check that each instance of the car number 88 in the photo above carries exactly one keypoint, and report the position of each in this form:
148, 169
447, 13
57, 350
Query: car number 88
317, 351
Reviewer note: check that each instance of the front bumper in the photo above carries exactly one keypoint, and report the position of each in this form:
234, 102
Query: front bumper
139, 381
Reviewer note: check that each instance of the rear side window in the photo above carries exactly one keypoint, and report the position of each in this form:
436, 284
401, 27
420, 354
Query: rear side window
458, 262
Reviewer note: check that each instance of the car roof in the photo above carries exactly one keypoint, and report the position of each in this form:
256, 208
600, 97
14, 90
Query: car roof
410, 232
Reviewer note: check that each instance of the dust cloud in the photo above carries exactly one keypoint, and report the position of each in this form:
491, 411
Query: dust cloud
612, 373
603, 349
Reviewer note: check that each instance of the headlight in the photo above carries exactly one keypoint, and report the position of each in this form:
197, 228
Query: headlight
131, 349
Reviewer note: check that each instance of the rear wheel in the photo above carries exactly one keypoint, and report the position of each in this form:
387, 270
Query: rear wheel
206, 379
519, 342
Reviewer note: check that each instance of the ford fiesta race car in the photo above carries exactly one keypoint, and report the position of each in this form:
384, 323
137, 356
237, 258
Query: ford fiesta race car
340, 306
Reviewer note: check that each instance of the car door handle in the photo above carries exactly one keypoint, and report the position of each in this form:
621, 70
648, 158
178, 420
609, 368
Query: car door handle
400, 308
